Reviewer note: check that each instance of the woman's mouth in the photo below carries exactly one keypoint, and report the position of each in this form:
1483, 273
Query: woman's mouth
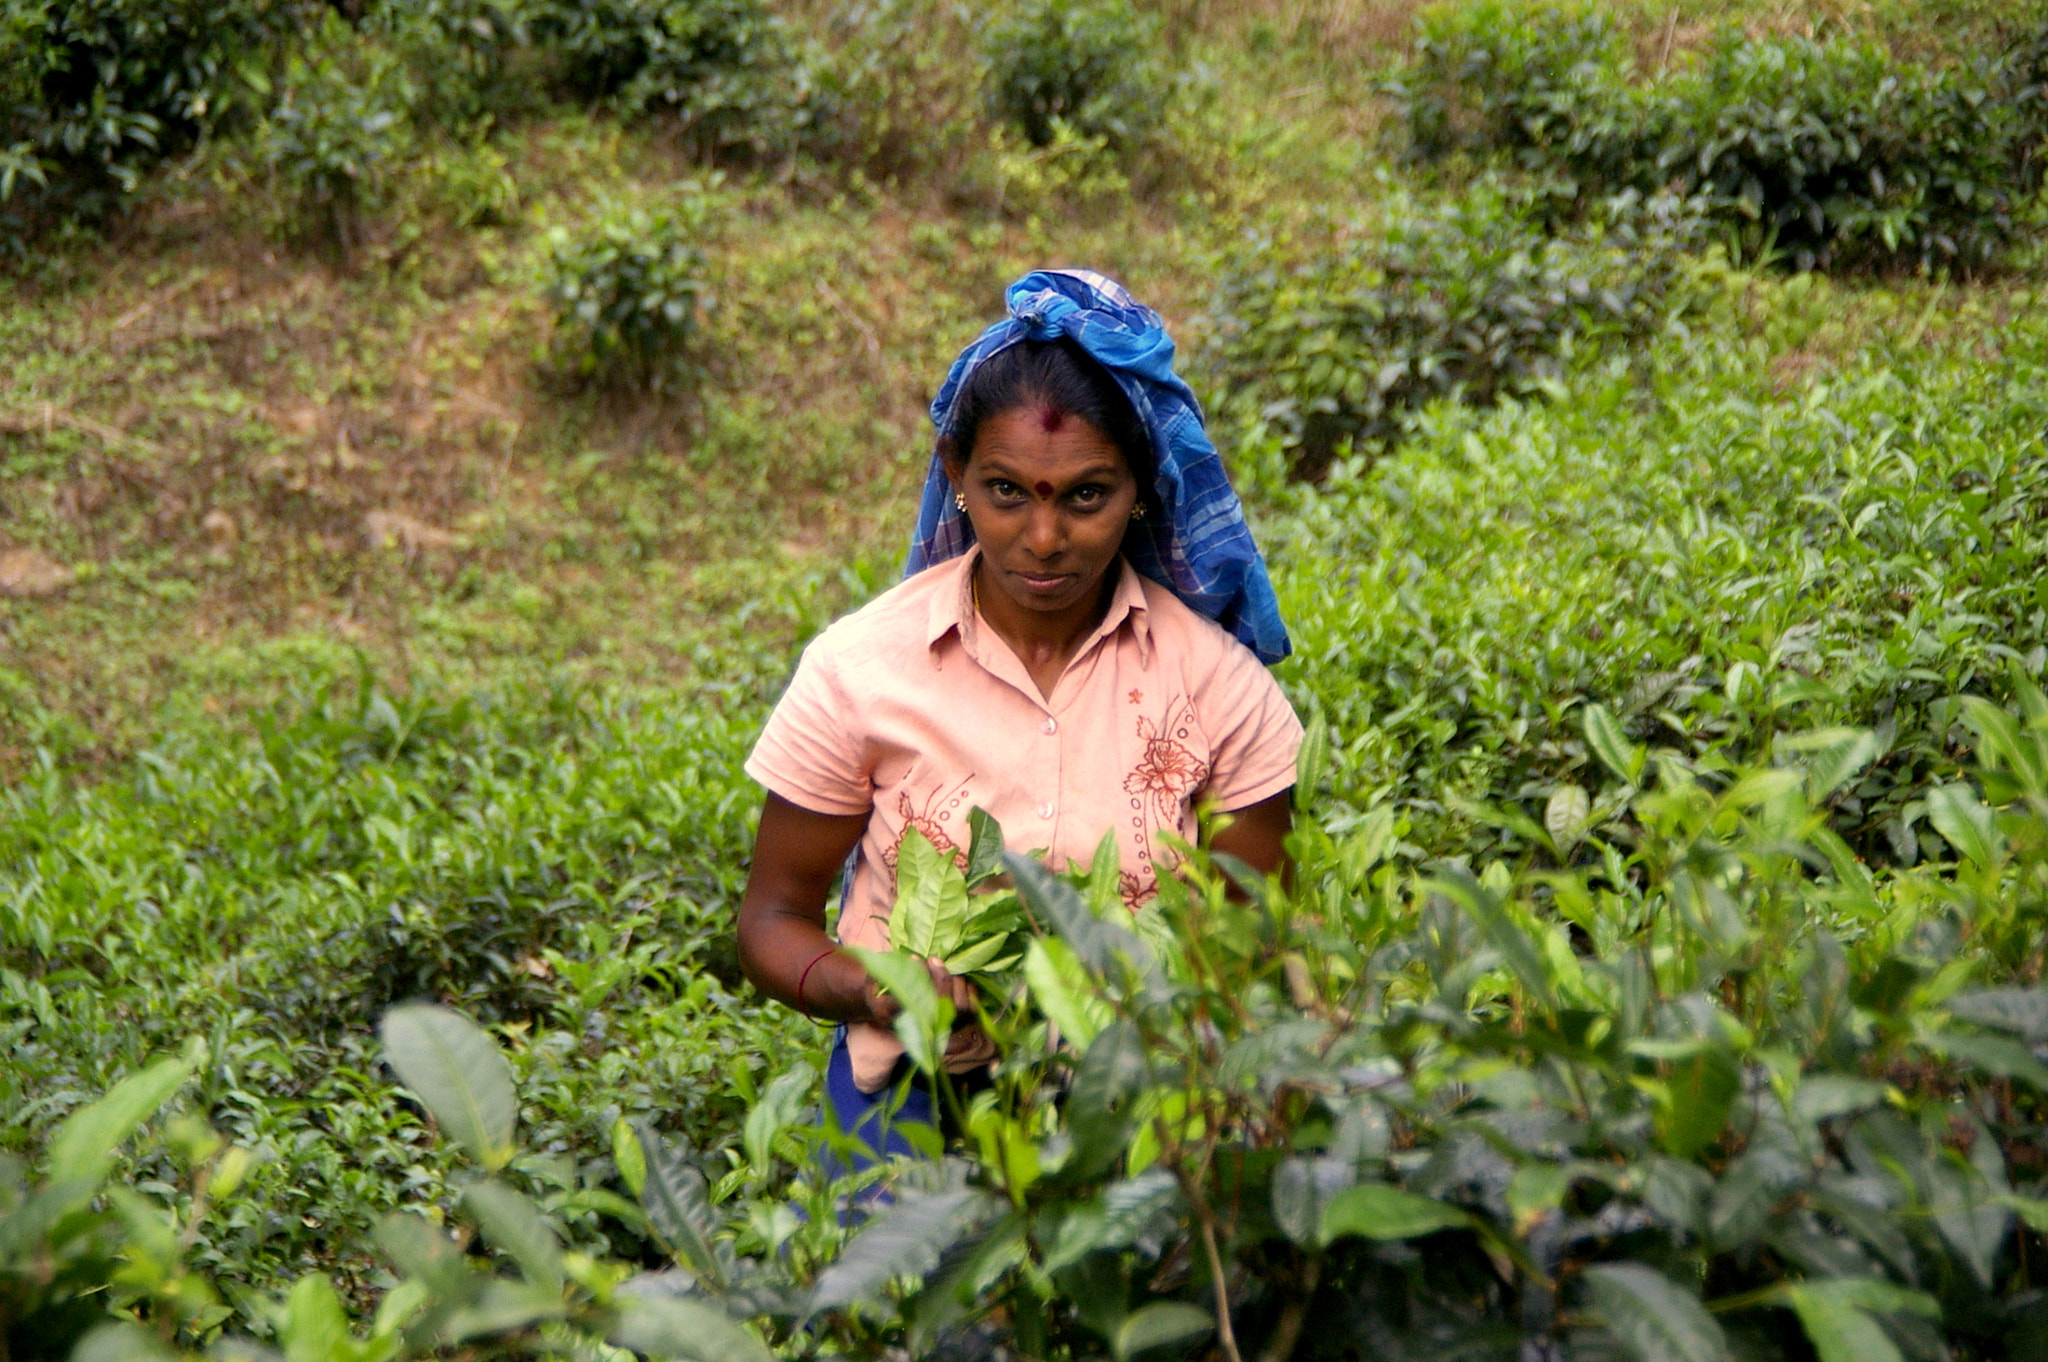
1043, 584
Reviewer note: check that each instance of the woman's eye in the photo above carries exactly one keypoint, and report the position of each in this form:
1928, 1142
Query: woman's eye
1004, 491
1088, 496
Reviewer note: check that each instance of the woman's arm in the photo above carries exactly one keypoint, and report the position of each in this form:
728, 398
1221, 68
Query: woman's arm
1257, 834
797, 855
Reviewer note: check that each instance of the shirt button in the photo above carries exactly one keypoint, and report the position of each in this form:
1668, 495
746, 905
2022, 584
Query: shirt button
1045, 810
1052, 725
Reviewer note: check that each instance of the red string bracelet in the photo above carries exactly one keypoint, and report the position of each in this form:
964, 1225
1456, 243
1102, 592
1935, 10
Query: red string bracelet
804, 978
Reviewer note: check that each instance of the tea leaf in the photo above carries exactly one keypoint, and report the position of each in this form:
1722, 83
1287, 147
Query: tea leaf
904, 1240
984, 848
1604, 737
1701, 1090
931, 899
1653, 1318
1162, 1324
678, 1205
1564, 818
83, 1149
1967, 824
510, 1222
1373, 1210
675, 1327
1838, 1330
455, 1070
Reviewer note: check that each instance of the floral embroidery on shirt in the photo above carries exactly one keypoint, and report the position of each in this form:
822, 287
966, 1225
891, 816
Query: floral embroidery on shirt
1167, 773
1137, 696
1136, 890
933, 820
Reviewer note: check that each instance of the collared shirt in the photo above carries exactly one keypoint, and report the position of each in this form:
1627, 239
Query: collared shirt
915, 711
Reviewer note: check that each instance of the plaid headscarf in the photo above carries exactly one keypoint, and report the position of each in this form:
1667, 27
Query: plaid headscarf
1200, 548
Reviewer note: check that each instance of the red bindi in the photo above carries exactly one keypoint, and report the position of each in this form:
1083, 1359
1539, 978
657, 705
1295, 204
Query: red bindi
1050, 420
1043, 489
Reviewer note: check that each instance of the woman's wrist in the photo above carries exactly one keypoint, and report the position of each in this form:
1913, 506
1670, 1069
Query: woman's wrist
833, 987
803, 977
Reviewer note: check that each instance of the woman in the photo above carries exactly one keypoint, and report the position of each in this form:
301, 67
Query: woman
1077, 647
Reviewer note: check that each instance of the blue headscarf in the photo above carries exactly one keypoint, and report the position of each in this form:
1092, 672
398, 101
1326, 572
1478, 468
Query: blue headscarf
1200, 548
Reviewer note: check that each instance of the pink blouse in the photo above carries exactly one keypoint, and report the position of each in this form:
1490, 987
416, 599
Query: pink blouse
914, 710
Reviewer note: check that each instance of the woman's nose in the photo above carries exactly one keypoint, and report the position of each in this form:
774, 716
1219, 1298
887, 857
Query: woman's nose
1043, 534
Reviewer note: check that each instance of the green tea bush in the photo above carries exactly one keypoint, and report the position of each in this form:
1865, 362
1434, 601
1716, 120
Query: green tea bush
97, 91
1832, 154
1705, 557
726, 67
1720, 1093
1496, 76
80, 1249
1090, 65
1660, 975
1840, 156
1471, 298
628, 291
468, 61
895, 87
275, 894
340, 124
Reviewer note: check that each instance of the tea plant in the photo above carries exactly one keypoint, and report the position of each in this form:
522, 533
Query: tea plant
895, 88
468, 61
1088, 66
75, 1248
340, 122
1720, 1085
593, 923
1825, 153
1468, 298
628, 292
97, 92
726, 67
1722, 1089
1694, 563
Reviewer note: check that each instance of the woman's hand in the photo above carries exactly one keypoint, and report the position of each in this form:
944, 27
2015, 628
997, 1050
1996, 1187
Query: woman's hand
883, 1007
783, 946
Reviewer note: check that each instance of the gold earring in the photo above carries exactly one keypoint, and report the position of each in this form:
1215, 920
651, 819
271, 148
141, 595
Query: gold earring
1138, 511
959, 501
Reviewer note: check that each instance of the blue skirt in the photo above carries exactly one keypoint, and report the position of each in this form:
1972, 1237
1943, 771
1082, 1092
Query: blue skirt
874, 1119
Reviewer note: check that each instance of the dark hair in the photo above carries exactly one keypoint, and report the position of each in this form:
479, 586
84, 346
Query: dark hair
1061, 377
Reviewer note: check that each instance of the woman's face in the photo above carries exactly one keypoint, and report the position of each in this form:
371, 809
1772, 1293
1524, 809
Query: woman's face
1049, 496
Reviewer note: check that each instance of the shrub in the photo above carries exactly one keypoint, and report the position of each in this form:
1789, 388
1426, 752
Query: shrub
1833, 154
97, 91
1468, 298
471, 185
1091, 65
78, 1249
628, 291
1694, 1100
1715, 1091
274, 894
463, 58
1486, 77
725, 66
1837, 155
1704, 554
895, 88
329, 142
